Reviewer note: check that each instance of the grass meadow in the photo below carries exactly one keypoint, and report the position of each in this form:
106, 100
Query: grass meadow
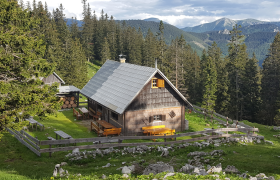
18, 162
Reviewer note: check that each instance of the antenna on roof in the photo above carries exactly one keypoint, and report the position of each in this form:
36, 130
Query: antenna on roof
156, 64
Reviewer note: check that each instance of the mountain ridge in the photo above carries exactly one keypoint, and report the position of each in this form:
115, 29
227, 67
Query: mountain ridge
225, 23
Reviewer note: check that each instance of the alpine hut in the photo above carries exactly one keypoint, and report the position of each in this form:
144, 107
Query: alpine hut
131, 97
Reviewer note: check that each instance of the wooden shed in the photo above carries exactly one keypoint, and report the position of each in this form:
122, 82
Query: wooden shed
132, 96
52, 79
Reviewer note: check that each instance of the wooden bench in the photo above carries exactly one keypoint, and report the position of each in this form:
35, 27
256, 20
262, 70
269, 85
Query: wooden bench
93, 114
112, 131
41, 125
76, 113
94, 127
151, 127
50, 138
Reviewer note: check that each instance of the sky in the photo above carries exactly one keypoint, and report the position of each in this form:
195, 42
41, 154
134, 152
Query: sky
180, 13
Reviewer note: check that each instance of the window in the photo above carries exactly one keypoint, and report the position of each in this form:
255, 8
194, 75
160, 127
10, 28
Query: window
114, 116
99, 108
157, 118
156, 83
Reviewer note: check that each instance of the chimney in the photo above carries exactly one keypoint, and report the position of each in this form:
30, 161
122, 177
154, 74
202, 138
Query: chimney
122, 58
156, 64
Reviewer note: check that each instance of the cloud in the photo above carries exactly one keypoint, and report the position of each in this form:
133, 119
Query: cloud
181, 13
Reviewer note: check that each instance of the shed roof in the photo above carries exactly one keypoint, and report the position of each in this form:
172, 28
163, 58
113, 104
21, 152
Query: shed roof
115, 85
58, 78
67, 89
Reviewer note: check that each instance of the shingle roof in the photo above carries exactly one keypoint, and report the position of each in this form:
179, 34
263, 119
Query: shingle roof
67, 89
116, 84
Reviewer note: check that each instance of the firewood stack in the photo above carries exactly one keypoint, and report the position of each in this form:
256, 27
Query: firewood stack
68, 102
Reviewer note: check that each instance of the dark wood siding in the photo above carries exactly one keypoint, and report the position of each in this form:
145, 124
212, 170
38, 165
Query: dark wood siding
51, 79
135, 120
150, 98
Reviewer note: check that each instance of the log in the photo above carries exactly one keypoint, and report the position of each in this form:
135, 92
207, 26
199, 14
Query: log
69, 106
69, 98
72, 98
71, 102
64, 99
74, 105
66, 102
64, 106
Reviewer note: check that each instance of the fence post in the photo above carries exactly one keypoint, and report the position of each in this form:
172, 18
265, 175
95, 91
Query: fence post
236, 124
212, 131
50, 153
175, 137
254, 131
165, 138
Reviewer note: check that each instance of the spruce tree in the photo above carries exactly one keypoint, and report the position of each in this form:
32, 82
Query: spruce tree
237, 59
251, 89
21, 64
270, 82
105, 52
210, 84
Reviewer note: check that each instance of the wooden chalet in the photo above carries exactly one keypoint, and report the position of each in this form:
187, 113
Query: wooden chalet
131, 97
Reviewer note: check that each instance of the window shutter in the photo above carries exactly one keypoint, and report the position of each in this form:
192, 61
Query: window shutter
151, 119
160, 82
163, 117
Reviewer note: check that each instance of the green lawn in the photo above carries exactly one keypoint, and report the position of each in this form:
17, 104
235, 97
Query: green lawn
18, 162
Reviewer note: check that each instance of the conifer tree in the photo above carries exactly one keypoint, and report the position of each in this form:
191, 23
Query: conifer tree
21, 64
149, 50
237, 59
271, 82
210, 84
105, 52
251, 89
87, 31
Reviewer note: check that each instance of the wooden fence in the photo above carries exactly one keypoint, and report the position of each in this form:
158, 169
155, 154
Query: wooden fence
224, 122
27, 140
35, 144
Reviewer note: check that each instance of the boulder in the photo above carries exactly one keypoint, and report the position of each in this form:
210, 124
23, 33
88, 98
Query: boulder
244, 175
270, 142
215, 169
63, 163
200, 171
198, 153
158, 168
128, 169
164, 153
76, 150
187, 169
107, 165
261, 176
231, 169
103, 176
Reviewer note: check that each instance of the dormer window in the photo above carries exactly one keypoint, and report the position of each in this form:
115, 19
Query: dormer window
156, 83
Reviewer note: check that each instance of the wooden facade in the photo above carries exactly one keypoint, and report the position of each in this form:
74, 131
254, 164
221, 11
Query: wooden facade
52, 79
163, 102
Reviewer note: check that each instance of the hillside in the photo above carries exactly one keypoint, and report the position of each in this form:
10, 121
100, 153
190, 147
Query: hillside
257, 39
170, 32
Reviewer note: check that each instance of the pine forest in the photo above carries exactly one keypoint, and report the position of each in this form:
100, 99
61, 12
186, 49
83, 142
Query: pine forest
233, 85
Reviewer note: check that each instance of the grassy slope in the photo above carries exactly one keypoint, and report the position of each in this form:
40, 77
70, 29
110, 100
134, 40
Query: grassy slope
19, 162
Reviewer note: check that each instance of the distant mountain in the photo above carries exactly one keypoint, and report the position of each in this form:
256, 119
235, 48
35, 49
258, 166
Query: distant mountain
225, 23
155, 20
70, 21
